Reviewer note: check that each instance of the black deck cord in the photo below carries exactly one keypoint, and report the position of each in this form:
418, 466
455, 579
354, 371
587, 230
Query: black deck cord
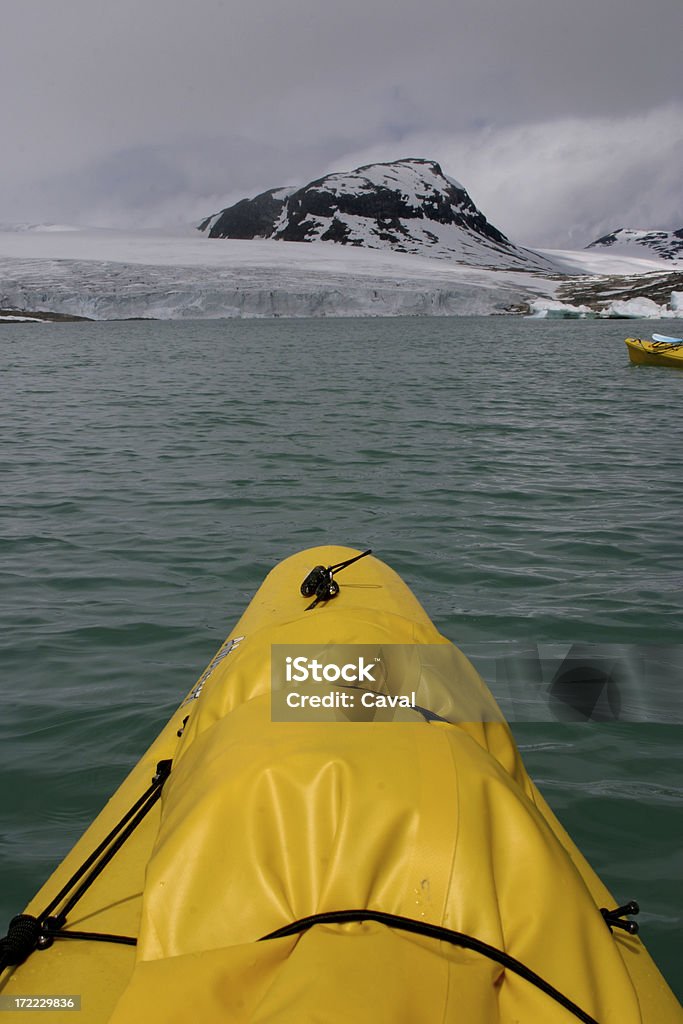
349, 561
433, 931
659, 346
321, 583
27, 933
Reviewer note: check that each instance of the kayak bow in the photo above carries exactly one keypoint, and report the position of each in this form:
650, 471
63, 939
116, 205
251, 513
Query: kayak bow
354, 862
660, 351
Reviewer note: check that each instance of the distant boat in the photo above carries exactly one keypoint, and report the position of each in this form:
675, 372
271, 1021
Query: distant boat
661, 351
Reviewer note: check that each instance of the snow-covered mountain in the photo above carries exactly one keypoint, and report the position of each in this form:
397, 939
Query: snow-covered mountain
410, 241
408, 206
666, 245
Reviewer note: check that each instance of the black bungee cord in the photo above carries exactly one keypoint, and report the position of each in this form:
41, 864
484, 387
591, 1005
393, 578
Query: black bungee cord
321, 582
27, 933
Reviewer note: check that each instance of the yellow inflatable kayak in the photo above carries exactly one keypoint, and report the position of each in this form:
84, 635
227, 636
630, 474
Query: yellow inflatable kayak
658, 352
335, 826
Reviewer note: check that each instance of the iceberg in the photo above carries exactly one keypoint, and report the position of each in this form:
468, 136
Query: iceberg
638, 308
552, 309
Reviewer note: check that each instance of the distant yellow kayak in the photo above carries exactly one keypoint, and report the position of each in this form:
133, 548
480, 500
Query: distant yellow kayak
346, 841
656, 352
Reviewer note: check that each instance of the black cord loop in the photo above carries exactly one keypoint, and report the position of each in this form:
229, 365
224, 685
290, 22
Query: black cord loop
440, 933
27, 933
321, 583
21, 939
616, 918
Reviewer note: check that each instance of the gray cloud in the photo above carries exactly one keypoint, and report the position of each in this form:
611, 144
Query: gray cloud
156, 109
566, 181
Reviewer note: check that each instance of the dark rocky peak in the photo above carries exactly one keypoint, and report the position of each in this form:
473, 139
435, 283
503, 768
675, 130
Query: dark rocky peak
666, 245
405, 205
249, 218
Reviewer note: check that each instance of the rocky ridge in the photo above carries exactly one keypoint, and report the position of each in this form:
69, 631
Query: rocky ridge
665, 245
407, 206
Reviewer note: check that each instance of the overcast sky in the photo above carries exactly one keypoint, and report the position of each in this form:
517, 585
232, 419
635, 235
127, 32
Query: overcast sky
562, 119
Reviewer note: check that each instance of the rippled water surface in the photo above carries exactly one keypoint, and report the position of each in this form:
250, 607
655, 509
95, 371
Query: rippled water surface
523, 478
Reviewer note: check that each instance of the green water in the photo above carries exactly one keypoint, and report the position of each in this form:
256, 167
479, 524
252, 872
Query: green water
522, 477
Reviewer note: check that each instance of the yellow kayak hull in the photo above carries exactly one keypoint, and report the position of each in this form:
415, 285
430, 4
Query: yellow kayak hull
655, 353
265, 822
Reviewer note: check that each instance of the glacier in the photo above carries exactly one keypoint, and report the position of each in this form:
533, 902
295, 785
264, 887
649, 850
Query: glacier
108, 274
